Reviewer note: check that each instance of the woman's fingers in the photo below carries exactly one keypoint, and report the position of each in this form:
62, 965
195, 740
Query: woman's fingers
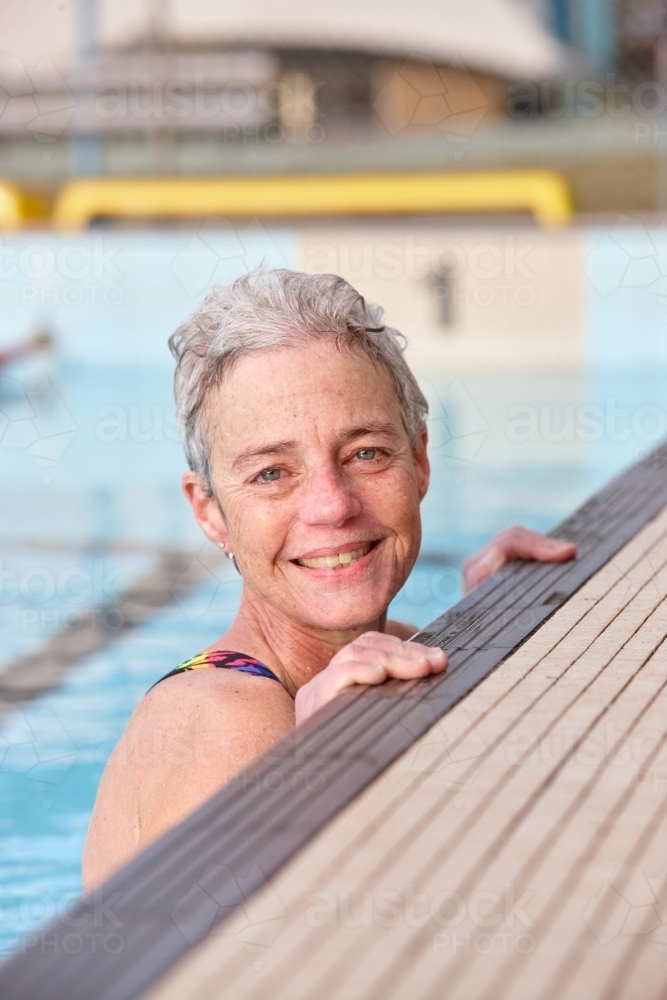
371, 659
380, 642
393, 658
381, 666
514, 543
521, 543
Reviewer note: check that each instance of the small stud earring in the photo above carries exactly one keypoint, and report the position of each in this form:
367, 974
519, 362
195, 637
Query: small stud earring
230, 555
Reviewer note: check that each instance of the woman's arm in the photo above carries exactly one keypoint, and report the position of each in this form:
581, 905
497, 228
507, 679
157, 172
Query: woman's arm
196, 731
188, 737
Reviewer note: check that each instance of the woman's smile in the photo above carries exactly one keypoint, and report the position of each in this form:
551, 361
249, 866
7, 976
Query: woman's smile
343, 558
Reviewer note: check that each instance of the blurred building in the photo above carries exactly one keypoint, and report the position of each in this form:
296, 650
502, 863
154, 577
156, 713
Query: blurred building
146, 87
114, 78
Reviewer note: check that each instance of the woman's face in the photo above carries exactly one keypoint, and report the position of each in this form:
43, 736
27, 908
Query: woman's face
317, 482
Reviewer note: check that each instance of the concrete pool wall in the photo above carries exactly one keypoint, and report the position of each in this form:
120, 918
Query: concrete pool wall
468, 297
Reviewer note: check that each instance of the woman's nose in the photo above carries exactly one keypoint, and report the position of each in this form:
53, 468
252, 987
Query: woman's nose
328, 499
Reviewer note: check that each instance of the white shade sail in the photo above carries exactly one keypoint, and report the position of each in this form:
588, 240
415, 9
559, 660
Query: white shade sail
501, 37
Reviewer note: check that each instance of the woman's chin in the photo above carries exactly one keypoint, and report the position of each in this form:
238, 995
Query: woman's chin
343, 616
346, 598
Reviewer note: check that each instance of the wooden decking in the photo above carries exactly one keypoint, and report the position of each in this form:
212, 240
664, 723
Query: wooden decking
494, 833
518, 849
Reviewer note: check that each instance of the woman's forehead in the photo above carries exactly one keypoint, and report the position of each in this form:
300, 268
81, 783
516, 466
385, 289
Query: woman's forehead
289, 394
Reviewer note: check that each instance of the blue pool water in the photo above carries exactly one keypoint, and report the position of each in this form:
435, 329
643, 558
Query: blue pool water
89, 489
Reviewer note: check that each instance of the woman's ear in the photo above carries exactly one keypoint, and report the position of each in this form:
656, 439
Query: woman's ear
206, 509
422, 463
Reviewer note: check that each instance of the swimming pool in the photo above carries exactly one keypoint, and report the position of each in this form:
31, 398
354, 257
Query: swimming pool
90, 493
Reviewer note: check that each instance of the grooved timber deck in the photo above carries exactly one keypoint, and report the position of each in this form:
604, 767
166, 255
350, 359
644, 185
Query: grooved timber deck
492, 832
518, 849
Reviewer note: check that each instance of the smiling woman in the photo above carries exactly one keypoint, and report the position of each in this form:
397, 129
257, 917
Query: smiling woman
306, 441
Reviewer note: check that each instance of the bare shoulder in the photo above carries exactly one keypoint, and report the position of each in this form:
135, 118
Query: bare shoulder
210, 723
400, 629
203, 715
195, 697
187, 737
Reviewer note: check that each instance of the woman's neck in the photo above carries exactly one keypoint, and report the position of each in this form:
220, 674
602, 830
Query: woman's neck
293, 651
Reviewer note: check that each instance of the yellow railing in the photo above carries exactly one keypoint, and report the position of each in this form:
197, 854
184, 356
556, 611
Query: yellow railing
18, 207
10, 206
544, 193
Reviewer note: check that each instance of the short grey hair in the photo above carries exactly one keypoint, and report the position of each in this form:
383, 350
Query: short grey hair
269, 309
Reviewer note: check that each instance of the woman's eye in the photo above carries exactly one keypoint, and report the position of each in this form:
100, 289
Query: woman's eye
367, 454
269, 475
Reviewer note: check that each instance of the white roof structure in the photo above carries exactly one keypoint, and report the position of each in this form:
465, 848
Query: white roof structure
501, 37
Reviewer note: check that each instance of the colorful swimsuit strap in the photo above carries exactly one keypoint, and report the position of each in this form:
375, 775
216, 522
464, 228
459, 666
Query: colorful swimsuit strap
225, 659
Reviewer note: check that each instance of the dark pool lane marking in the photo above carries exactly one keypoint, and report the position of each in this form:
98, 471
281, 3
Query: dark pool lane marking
174, 574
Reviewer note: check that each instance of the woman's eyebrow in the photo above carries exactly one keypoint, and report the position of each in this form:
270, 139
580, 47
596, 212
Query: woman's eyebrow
265, 449
279, 447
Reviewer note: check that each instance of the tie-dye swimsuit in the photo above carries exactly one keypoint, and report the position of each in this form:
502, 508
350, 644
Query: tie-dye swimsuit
227, 660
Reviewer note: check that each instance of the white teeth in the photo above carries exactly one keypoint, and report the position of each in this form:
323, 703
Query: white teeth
335, 562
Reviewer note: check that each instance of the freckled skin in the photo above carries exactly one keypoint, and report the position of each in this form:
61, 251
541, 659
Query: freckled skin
309, 458
324, 495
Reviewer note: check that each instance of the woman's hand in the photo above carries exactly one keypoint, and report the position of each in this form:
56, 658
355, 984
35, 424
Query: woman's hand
371, 659
513, 543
